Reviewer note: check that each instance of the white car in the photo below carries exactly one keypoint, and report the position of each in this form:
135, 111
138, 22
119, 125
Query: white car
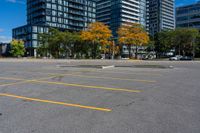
177, 57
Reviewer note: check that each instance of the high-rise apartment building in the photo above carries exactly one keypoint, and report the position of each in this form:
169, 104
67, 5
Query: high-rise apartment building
154, 15
72, 15
75, 15
116, 12
188, 16
161, 15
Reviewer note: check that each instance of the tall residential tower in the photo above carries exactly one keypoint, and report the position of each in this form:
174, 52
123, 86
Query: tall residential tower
161, 15
116, 12
75, 15
72, 15
154, 15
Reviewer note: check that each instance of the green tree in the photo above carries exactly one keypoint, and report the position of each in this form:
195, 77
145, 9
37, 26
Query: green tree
151, 45
56, 42
197, 46
59, 44
43, 48
71, 40
17, 48
82, 49
46, 40
184, 41
164, 41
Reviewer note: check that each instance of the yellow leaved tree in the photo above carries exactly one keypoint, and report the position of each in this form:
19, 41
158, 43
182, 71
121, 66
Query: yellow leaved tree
132, 34
98, 34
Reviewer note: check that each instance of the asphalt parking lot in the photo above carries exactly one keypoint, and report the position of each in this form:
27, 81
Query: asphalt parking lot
69, 96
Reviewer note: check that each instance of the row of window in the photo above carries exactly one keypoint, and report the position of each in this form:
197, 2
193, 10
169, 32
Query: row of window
186, 10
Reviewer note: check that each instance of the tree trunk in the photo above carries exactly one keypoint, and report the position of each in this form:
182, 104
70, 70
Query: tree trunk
136, 52
183, 52
113, 50
129, 51
94, 51
179, 50
193, 50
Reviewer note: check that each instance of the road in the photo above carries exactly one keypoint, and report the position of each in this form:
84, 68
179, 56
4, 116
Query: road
78, 96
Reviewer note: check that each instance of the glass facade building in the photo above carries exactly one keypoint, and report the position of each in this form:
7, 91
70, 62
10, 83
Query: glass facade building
188, 16
154, 15
117, 12
72, 15
161, 15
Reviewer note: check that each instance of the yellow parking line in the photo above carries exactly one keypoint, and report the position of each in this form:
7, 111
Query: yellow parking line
112, 78
99, 77
111, 72
15, 83
21, 80
55, 102
88, 86
11, 78
75, 85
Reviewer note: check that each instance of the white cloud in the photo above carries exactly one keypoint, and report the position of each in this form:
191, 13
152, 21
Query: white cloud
16, 1
5, 39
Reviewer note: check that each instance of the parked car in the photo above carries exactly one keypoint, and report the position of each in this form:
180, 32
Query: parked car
177, 57
186, 58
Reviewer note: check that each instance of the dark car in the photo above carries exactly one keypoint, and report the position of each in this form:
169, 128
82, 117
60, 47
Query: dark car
187, 58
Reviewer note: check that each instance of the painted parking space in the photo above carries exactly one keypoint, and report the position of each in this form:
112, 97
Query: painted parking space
73, 79
46, 80
54, 102
66, 100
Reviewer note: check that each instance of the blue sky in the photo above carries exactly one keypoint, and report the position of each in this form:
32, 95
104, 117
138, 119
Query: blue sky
13, 14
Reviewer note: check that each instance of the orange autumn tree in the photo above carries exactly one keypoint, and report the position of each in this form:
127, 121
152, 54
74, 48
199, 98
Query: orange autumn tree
98, 34
133, 34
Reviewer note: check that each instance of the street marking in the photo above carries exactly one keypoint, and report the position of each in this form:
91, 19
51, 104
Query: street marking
88, 86
106, 67
11, 78
99, 77
22, 81
15, 83
111, 78
55, 102
102, 71
76, 85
